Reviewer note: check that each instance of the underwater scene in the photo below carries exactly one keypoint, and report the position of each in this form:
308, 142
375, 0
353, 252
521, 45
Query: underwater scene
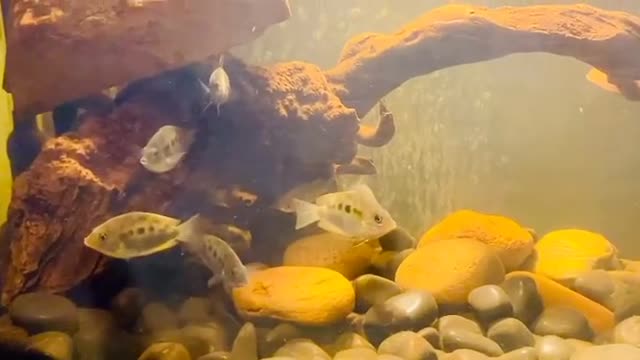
319, 180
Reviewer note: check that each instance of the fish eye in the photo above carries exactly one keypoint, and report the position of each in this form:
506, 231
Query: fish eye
102, 237
377, 218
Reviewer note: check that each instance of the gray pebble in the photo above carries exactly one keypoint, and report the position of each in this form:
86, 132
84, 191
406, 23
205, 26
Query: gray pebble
39, 312
407, 345
457, 322
158, 317
245, 346
597, 285
510, 334
432, 335
466, 354
525, 298
552, 347
302, 349
525, 353
348, 340
397, 240
386, 263
490, 303
454, 339
357, 353
195, 310
372, 289
277, 337
604, 352
563, 322
628, 332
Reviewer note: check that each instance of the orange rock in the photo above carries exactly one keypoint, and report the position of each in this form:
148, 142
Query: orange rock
450, 269
512, 242
305, 295
554, 294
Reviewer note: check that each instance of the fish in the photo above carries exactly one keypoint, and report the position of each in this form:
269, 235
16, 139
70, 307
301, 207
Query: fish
306, 192
166, 148
215, 253
354, 213
134, 234
219, 86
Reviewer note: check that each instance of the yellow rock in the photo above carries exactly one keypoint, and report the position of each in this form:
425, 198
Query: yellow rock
512, 242
564, 254
450, 269
554, 294
304, 295
165, 351
330, 251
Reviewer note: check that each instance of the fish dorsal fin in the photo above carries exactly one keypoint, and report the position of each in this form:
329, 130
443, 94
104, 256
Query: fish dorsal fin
221, 60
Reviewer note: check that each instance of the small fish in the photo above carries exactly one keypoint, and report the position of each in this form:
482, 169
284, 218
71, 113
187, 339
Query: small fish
166, 148
305, 192
215, 254
354, 213
219, 86
134, 234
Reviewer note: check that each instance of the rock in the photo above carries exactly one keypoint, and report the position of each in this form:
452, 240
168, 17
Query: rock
386, 263
457, 322
13, 334
372, 289
453, 339
330, 251
56, 344
165, 351
450, 275
508, 239
39, 312
277, 337
523, 295
195, 310
245, 346
490, 303
348, 340
304, 295
578, 344
213, 333
597, 285
432, 335
388, 357
407, 345
357, 353
127, 306
397, 240
95, 319
628, 331
612, 351
525, 353
510, 334
466, 354
158, 317
563, 322
553, 294
552, 347
302, 349
626, 302
562, 255
196, 343
217, 355
105, 344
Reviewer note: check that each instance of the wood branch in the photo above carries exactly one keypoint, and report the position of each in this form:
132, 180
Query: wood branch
371, 65
62, 50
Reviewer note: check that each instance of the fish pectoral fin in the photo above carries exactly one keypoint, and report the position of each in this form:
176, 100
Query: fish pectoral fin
306, 213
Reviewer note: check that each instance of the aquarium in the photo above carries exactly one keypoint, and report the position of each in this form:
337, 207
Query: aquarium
319, 179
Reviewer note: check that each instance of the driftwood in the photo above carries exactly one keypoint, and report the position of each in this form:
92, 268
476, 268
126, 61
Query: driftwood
287, 124
63, 50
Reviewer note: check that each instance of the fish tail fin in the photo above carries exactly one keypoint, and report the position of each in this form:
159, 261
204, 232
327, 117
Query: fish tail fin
306, 213
189, 229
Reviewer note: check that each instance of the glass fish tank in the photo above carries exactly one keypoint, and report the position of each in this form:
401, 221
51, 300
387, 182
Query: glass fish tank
319, 180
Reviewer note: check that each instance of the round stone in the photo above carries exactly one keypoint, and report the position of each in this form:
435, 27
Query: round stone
454, 339
213, 333
457, 322
302, 349
597, 285
490, 303
245, 346
563, 322
523, 293
39, 312
386, 263
104, 344
612, 351
277, 337
450, 275
165, 351
432, 335
357, 353
56, 344
216, 355
397, 240
466, 354
628, 331
525, 353
372, 289
407, 345
158, 317
348, 340
510, 334
95, 320
552, 347
127, 306
195, 310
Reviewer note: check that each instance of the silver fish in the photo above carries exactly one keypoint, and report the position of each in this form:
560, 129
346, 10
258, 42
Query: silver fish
219, 86
305, 192
215, 254
166, 148
134, 234
354, 213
